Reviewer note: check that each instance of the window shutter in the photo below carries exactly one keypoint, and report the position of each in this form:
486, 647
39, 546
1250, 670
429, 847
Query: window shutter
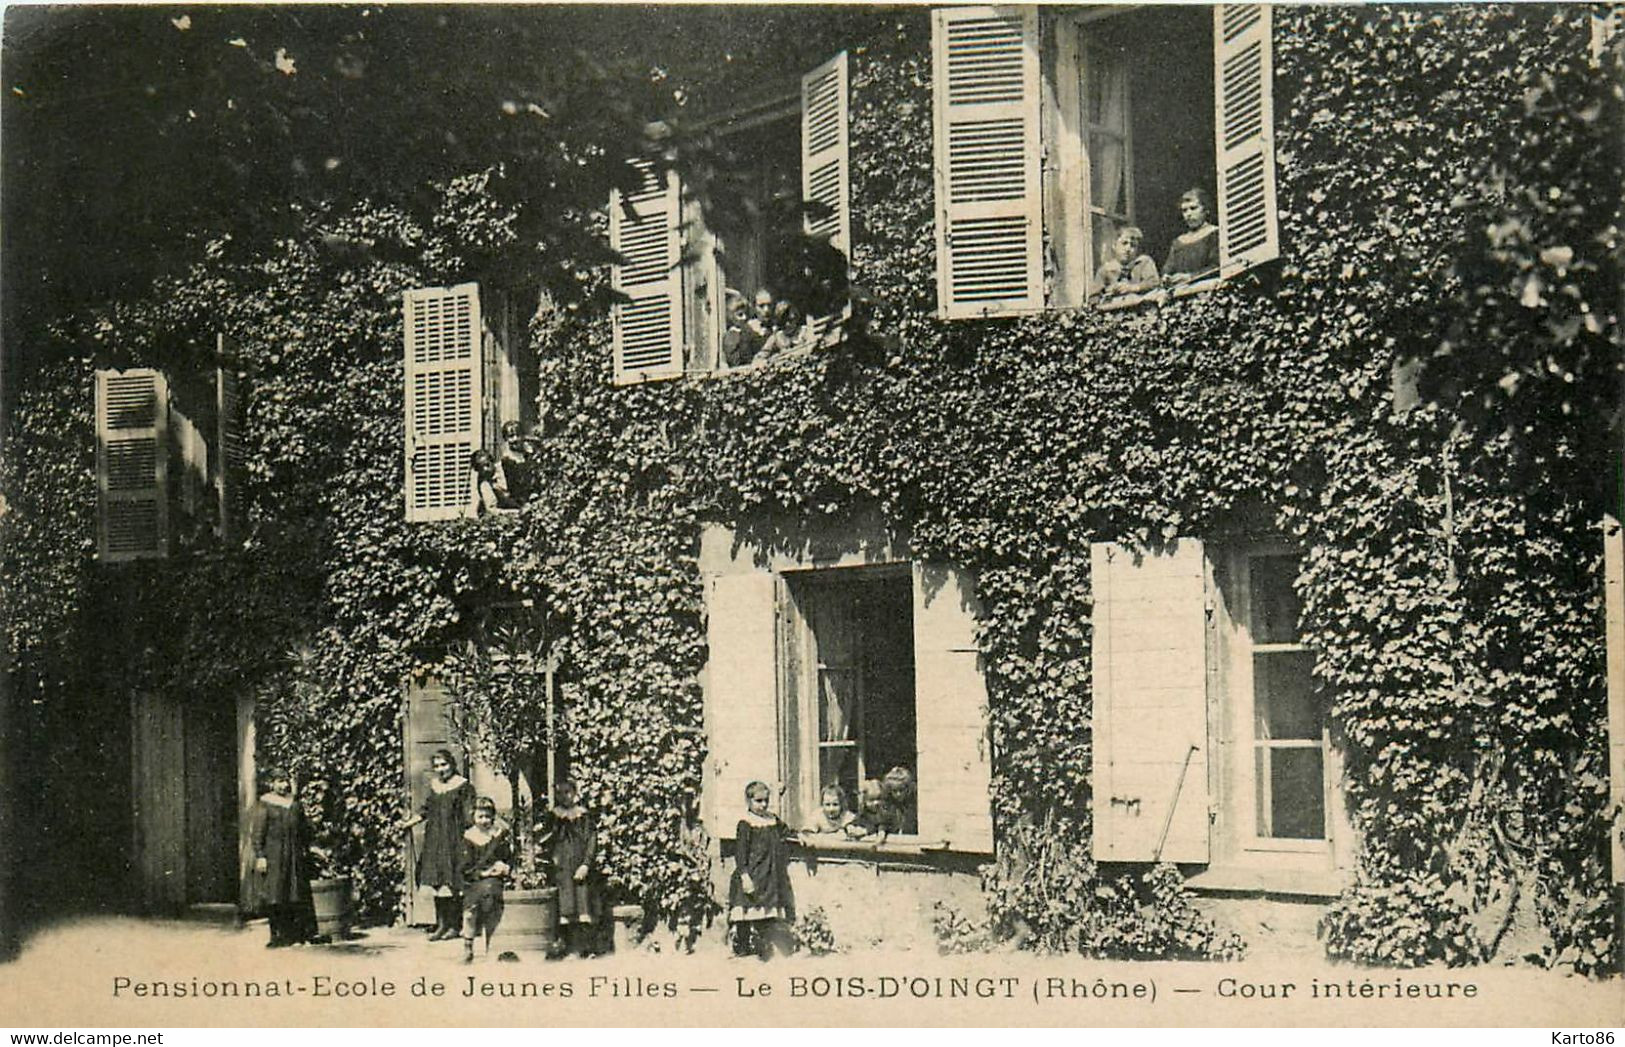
950, 702
824, 150
1150, 703
648, 329
989, 224
741, 694
1604, 24
229, 454
132, 464
1244, 130
443, 399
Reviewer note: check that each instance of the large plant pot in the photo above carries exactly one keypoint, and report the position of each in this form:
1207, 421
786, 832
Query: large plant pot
530, 920
331, 900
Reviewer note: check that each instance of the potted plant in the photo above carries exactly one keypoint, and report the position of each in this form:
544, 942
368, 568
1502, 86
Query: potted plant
499, 687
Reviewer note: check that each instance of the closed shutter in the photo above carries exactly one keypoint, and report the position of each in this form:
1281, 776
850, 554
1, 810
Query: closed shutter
427, 730
229, 454
950, 705
648, 326
132, 464
443, 399
1244, 129
741, 695
1150, 703
989, 225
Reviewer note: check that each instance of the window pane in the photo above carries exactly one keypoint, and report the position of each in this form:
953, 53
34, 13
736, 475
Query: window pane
1275, 604
837, 699
1291, 793
839, 765
1284, 701
1107, 90
1108, 174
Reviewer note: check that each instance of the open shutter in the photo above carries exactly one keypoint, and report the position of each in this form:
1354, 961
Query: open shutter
950, 707
1150, 698
824, 150
741, 694
1244, 130
443, 399
1605, 21
649, 327
989, 224
132, 464
229, 454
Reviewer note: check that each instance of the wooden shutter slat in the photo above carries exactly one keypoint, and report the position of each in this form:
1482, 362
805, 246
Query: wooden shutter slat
989, 224
443, 398
132, 464
1243, 74
950, 701
1150, 703
648, 328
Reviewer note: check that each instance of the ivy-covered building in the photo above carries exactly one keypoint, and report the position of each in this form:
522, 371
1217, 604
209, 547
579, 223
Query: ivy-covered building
1164, 597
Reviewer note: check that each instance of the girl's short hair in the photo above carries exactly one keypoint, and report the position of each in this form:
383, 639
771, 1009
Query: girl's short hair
833, 789
872, 790
485, 803
1201, 196
1134, 232
444, 754
757, 787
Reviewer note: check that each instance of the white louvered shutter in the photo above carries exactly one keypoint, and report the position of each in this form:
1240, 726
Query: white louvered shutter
229, 456
950, 708
989, 216
649, 327
824, 150
443, 383
1150, 703
132, 464
1244, 130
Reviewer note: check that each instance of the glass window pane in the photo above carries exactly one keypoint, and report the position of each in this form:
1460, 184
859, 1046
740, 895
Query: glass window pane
837, 699
1108, 174
1291, 793
1284, 700
1106, 99
1275, 604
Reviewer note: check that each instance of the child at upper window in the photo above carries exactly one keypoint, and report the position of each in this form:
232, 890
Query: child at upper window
741, 342
487, 851
1195, 252
833, 813
1128, 270
518, 465
789, 330
875, 820
490, 486
898, 789
759, 893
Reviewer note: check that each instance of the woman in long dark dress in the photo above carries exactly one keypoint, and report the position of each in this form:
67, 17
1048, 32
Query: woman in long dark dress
573, 850
446, 812
280, 884
759, 892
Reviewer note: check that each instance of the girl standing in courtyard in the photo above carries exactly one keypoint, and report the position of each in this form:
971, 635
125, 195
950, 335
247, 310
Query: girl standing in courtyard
574, 849
446, 812
280, 884
759, 892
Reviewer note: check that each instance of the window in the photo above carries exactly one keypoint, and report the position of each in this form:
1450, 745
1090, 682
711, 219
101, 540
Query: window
836, 673
1056, 130
1211, 741
679, 262
468, 371
849, 677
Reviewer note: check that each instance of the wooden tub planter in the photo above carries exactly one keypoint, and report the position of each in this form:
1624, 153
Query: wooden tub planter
530, 919
330, 898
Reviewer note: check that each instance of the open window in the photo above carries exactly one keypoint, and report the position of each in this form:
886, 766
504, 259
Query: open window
1211, 739
1065, 136
836, 675
468, 373
686, 266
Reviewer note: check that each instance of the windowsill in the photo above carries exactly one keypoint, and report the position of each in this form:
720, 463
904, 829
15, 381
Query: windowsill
1159, 297
832, 845
1241, 879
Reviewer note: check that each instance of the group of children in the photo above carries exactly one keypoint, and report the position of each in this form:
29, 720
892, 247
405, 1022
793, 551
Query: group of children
1194, 253
759, 895
769, 328
507, 482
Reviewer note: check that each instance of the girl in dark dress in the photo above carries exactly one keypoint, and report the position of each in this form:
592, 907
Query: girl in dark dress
446, 812
281, 885
759, 892
573, 850
487, 854
1195, 252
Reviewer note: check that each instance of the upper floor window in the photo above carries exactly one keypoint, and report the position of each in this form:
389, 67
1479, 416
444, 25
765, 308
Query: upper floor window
1099, 153
707, 286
